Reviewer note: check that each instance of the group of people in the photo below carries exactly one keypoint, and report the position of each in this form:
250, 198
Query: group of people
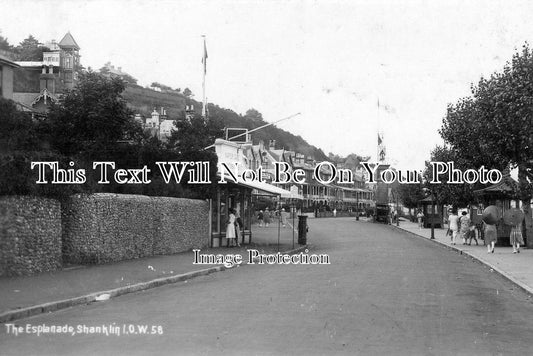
234, 223
462, 226
266, 217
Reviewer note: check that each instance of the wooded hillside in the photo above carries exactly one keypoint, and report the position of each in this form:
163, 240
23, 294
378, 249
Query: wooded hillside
143, 100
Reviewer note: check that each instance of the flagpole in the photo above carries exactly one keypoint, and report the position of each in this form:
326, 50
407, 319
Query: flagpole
378, 127
204, 61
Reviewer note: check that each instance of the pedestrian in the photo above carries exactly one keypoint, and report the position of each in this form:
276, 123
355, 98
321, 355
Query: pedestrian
490, 236
472, 234
464, 226
453, 225
420, 217
230, 228
283, 217
335, 212
238, 224
516, 237
260, 218
267, 217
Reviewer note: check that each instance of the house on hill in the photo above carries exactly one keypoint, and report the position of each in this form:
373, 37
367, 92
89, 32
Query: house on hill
38, 83
110, 71
157, 124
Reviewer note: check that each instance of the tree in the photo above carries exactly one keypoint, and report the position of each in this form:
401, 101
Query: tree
189, 142
4, 44
29, 50
104, 70
160, 86
187, 92
496, 124
22, 144
254, 115
457, 195
335, 158
129, 79
18, 132
410, 195
91, 117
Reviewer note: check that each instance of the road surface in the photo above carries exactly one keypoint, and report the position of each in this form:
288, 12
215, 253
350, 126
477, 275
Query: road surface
385, 292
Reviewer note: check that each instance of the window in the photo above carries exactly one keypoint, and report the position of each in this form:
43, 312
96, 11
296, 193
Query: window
68, 62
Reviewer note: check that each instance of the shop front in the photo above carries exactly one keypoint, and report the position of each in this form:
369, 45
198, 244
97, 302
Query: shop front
234, 196
237, 194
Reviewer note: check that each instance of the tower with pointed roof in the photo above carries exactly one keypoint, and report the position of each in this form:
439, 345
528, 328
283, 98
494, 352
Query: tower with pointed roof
69, 60
37, 83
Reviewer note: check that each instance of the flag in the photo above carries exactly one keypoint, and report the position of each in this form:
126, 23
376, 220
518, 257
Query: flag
204, 61
204, 58
381, 148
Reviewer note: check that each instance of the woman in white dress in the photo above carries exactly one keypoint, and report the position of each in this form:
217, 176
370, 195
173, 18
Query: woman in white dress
453, 224
230, 229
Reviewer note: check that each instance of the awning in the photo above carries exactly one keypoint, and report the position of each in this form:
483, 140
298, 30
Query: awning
262, 186
507, 186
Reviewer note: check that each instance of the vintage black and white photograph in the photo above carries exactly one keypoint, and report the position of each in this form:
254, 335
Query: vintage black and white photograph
250, 177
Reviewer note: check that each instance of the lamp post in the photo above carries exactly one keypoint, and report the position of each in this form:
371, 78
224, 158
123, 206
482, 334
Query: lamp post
432, 218
357, 205
293, 212
397, 213
432, 215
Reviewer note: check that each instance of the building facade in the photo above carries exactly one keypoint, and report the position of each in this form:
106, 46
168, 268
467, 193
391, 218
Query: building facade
38, 83
6, 77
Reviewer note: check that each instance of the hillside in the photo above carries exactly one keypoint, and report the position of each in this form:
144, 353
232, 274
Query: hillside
142, 100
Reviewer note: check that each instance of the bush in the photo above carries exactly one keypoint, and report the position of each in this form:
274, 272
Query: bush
18, 178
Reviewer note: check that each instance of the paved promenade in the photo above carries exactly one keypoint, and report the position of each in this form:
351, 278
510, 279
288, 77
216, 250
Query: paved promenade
516, 267
25, 296
21, 297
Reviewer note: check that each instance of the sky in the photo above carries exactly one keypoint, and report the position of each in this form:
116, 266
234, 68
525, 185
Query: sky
331, 61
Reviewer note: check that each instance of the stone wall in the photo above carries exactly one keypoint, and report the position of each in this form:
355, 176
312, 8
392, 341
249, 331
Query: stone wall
102, 228
30, 235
